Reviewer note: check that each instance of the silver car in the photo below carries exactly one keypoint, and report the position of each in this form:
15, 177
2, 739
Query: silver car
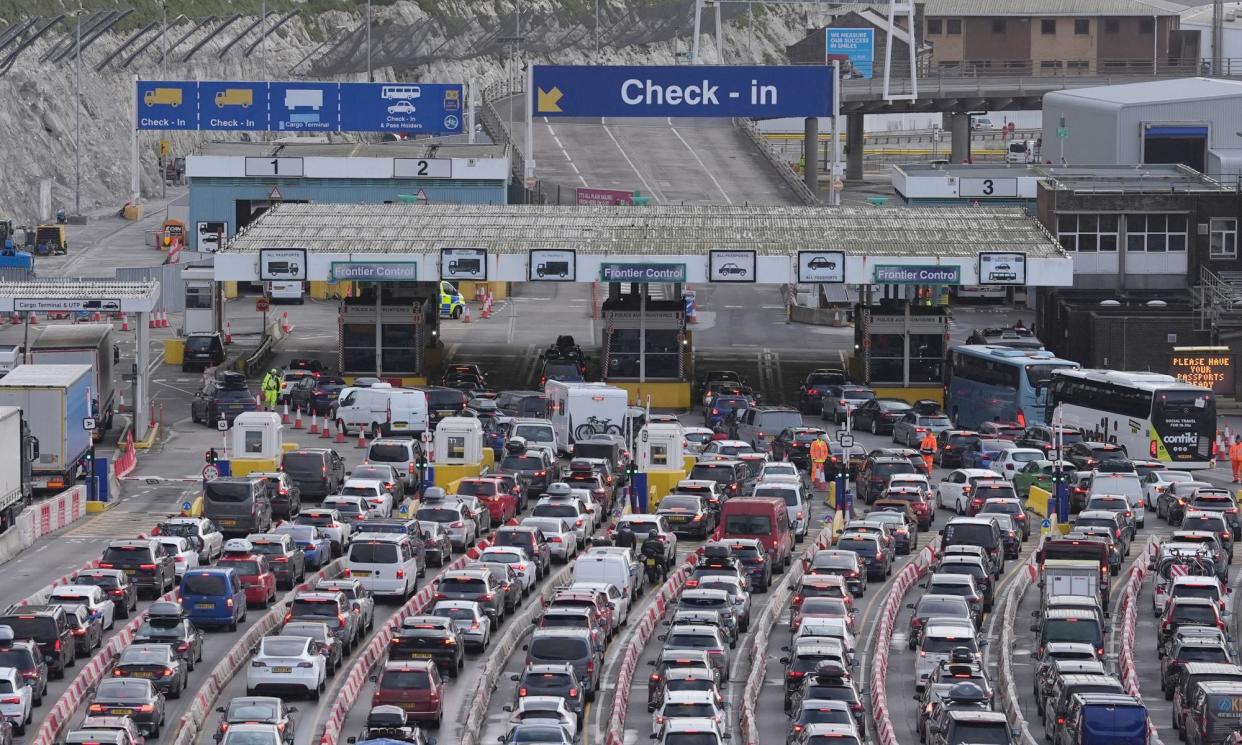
570, 510
469, 619
454, 518
912, 426
562, 539
937, 643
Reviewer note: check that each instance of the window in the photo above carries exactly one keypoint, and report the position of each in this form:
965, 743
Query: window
998, 25
254, 442
1048, 26
1223, 232
198, 297
1156, 233
1082, 25
1049, 64
953, 26
1112, 26
1087, 233
1146, 25
935, 26
1080, 65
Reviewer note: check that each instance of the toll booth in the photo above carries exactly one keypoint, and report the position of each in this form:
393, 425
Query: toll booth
900, 346
387, 331
204, 300
458, 452
256, 442
646, 346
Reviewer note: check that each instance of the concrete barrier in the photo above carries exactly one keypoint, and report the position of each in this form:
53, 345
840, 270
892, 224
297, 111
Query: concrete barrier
191, 723
519, 627
1127, 606
59, 714
1005, 688
42, 518
328, 728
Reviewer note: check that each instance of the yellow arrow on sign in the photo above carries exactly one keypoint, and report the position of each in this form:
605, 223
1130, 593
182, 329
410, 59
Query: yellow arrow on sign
549, 101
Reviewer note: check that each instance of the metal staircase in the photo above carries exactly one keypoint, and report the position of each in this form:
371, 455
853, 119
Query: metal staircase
1218, 300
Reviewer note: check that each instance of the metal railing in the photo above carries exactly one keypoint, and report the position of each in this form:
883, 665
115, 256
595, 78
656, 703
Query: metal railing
791, 177
1216, 295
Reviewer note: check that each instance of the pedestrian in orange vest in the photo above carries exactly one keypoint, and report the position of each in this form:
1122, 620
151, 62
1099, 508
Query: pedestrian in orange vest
1235, 459
819, 456
927, 448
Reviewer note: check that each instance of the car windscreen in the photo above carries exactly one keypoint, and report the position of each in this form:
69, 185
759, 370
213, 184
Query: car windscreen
942, 607
522, 463
246, 568
790, 496
203, 584
982, 733
463, 585
373, 552
126, 556
969, 534
39, 628
555, 510
1071, 630
673, 502
748, 525
315, 608
385, 453
943, 644
559, 648
230, 492
438, 514
416, 680
302, 464
250, 710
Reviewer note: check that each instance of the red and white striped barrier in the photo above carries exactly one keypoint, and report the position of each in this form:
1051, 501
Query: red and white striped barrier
89, 676
1128, 607
329, 727
667, 593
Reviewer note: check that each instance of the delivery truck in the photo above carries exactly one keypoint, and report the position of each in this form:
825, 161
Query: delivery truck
1070, 577
83, 344
18, 449
57, 405
579, 411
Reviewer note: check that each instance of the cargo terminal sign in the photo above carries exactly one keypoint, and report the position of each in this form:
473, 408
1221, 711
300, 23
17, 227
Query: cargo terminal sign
753, 91
1209, 367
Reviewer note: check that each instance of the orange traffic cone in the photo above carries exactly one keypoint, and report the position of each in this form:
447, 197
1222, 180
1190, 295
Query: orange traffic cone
340, 436
465, 318
362, 438
125, 322
228, 332
153, 320
284, 417
297, 419
34, 319
15, 319
314, 430
326, 432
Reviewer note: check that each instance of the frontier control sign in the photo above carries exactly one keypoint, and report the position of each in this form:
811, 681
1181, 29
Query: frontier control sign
892, 274
682, 91
646, 272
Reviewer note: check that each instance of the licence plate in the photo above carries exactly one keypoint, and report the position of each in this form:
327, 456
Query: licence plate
205, 606
421, 655
120, 712
677, 519
282, 669
400, 425
144, 675
358, 573
228, 522
131, 571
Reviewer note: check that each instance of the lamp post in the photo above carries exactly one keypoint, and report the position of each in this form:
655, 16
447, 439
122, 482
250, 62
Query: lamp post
77, 115
370, 70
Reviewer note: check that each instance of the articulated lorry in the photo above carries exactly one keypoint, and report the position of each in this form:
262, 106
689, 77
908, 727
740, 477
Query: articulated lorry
18, 449
83, 344
55, 399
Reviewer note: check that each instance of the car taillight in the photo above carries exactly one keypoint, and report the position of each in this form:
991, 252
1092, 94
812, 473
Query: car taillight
168, 672
180, 559
340, 620
146, 566
797, 600
916, 622
79, 632
590, 667
458, 524
487, 596
400, 574
146, 708
578, 523
1117, 533
56, 646
794, 674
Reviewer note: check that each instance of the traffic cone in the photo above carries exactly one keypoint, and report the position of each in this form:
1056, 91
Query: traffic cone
125, 322
120, 401
258, 402
465, 318
228, 332
339, 439
362, 438
163, 319
297, 419
15, 319
284, 322
314, 430
284, 417
326, 432
487, 307
153, 321
34, 319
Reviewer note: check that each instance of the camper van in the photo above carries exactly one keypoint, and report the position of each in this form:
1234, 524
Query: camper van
579, 411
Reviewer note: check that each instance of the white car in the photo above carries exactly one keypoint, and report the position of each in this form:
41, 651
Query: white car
696, 438
517, 560
955, 490
16, 699
796, 503
616, 598
913, 479
253, 734
285, 662
330, 523
200, 531
561, 537
545, 710
779, 470
835, 628
378, 499
182, 551
1158, 482
569, 510
469, 619
351, 508
687, 704
1008, 462
699, 730
91, 597
1128, 485
595, 508
725, 449
401, 107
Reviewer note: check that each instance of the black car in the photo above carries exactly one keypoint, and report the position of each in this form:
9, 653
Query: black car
202, 351
166, 624
873, 478
534, 468
1045, 438
879, 562
474, 585
156, 663
135, 698
878, 415
688, 515
794, 445
259, 710
814, 386
116, 584
845, 564
951, 446
222, 397
437, 546
315, 394
287, 560
1090, 456
87, 631
49, 629
442, 402
558, 680
318, 472
430, 638
24, 656
751, 554
145, 564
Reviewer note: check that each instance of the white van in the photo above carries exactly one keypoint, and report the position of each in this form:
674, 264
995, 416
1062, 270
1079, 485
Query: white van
286, 292
385, 564
582, 410
382, 409
536, 432
1022, 151
608, 568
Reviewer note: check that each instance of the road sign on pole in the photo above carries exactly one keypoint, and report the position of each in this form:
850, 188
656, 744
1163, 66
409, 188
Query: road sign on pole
754, 91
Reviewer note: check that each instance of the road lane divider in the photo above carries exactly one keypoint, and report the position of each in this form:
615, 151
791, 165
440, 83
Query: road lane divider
905, 579
62, 711
40, 519
191, 723
1006, 689
328, 728
519, 627
1127, 608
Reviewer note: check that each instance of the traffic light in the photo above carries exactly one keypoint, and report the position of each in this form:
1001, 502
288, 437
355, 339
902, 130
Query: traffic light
212, 456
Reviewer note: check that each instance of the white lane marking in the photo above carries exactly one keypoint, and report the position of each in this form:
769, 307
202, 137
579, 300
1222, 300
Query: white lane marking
633, 167
702, 165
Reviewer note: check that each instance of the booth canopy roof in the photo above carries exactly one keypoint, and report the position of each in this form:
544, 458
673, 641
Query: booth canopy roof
132, 297
655, 230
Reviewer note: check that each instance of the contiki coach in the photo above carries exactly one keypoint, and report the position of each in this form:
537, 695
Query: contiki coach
1151, 415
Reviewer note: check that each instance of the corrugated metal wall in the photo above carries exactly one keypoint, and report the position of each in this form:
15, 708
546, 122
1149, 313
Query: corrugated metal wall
172, 286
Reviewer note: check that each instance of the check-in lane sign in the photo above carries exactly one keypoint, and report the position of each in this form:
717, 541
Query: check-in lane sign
682, 91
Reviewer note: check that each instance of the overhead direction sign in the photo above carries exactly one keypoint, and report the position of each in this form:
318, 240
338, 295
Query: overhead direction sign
67, 304
300, 106
752, 91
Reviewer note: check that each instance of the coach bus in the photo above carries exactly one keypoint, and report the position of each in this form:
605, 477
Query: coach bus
1153, 416
994, 383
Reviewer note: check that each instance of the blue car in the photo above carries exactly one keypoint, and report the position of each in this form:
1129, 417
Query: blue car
982, 453
722, 407
213, 597
314, 543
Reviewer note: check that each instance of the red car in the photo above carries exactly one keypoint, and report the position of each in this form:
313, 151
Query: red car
500, 503
413, 685
256, 574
